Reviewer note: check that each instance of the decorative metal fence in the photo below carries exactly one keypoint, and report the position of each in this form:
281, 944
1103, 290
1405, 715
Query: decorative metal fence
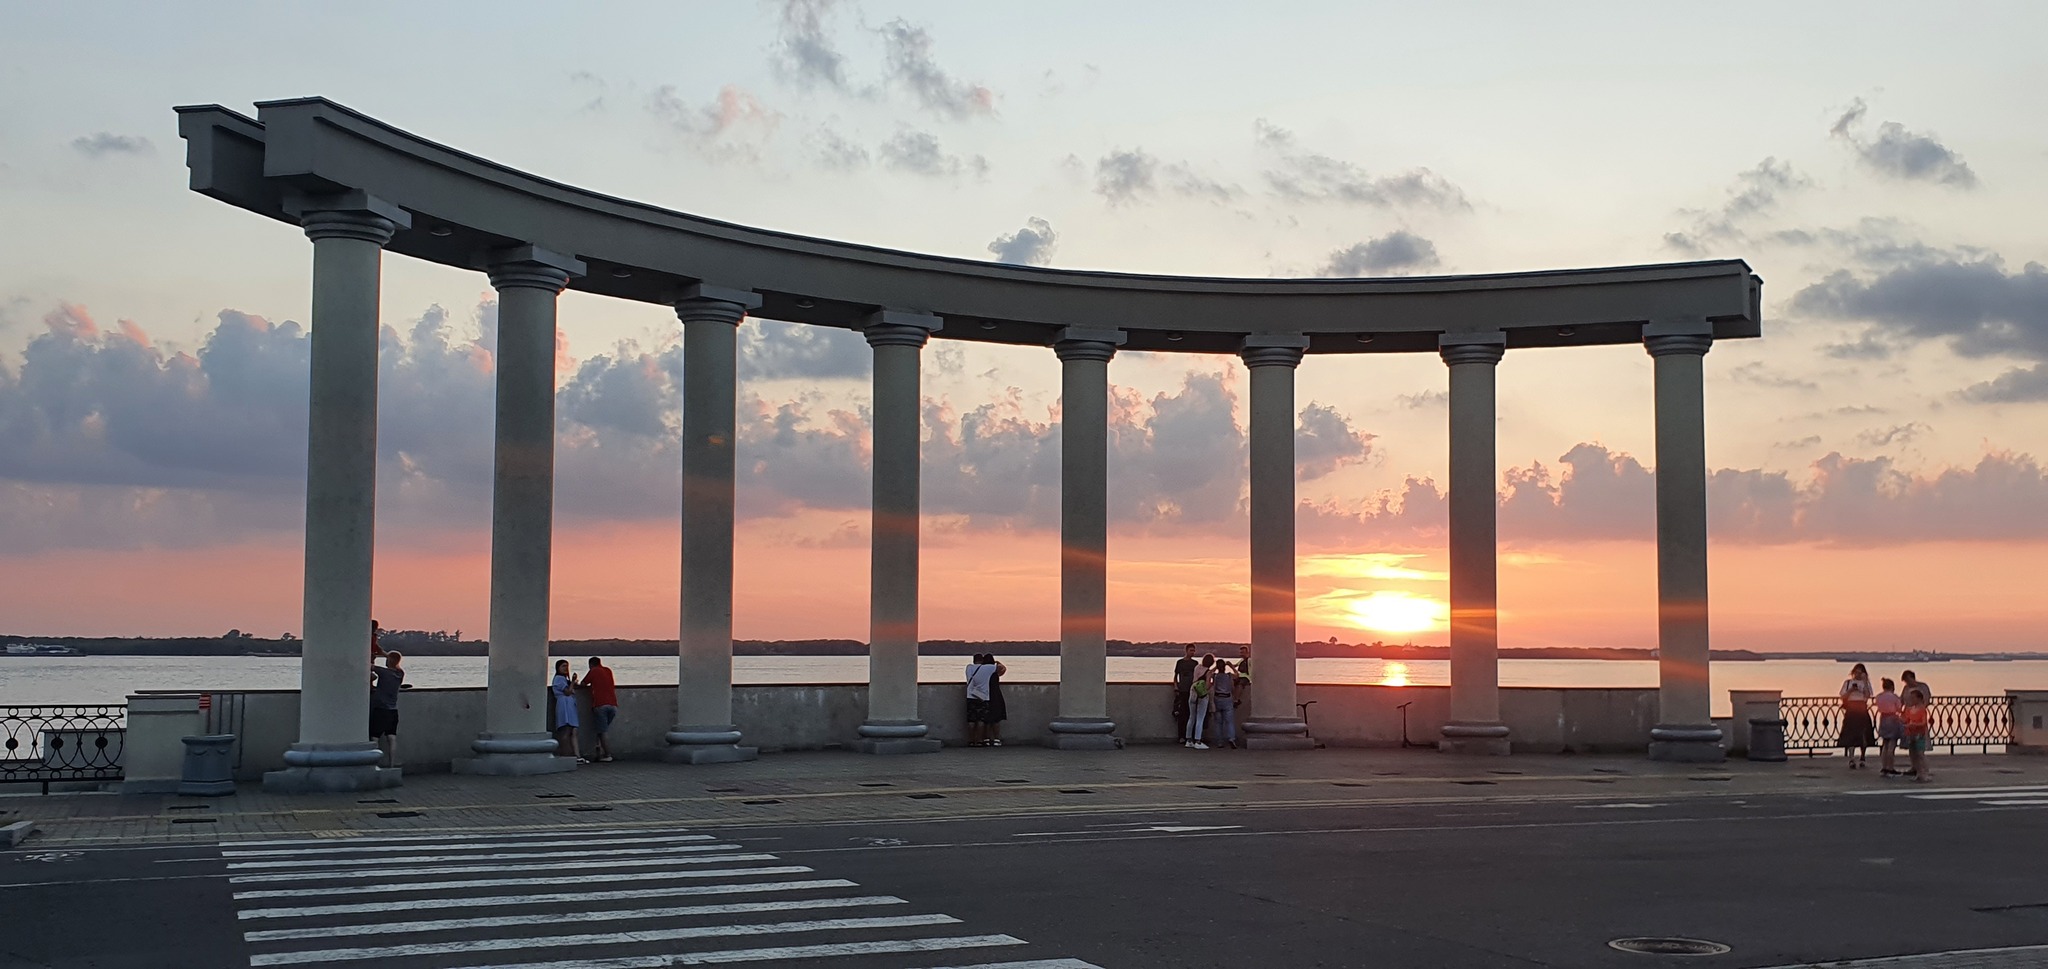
41, 744
1814, 723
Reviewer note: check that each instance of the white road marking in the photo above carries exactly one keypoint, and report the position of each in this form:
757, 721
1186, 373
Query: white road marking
611, 938
1030, 964
385, 839
1185, 828
409, 886
465, 869
1624, 805
776, 953
604, 915
2016, 803
474, 846
1973, 795
1959, 791
2013, 957
411, 904
498, 856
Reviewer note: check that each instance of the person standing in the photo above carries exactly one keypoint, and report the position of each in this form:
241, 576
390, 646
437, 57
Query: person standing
1183, 681
998, 711
1914, 712
979, 675
604, 705
1223, 694
1198, 703
1858, 735
1244, 675
563, 689
1891, 728
1914, 684
385, 682
376, 641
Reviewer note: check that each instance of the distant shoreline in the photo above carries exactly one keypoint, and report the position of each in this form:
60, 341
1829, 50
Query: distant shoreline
423, 646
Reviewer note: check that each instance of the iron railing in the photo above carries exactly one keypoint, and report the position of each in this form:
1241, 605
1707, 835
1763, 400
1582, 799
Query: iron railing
41, 744
1814, 723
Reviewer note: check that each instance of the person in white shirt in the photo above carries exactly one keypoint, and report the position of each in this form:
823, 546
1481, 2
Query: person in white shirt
1859, 734
979, 675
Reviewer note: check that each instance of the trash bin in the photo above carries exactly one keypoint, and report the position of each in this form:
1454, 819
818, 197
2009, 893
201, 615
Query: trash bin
209, 766
1767, 740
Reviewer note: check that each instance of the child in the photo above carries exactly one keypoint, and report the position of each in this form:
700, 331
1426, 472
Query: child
1891, 728
1914, 713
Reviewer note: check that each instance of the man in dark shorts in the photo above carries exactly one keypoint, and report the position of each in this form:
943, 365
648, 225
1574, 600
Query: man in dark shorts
604, 705
979, 674
1183, 679
385, 682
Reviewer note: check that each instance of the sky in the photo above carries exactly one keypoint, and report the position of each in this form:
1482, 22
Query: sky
1877, 457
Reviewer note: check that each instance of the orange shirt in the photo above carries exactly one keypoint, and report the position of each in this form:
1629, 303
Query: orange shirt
604, 690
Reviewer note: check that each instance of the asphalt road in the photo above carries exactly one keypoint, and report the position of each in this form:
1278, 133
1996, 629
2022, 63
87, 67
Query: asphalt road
1484, 880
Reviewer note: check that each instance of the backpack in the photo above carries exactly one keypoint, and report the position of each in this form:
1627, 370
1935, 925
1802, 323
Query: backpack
1201, 686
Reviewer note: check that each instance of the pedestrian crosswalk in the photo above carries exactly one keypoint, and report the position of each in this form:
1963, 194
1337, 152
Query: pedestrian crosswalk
633, 899
2030, 796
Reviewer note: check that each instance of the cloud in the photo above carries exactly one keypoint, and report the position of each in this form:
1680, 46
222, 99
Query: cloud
1895, 434
1396, 252
1127, 176
1976, 307
2016, 386
1427, 398
1028, 246
1759, 375
1756, 192
774, 350
732, 125
1901, 154
1326, 441
803, 49
1602, 495
1306, 177
907, 52
919, 153
101, 144
837, 153
1865, 347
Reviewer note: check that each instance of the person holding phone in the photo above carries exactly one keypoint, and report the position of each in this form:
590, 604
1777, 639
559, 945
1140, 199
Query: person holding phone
563, 691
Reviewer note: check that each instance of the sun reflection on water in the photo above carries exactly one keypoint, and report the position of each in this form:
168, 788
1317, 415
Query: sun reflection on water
1394, 674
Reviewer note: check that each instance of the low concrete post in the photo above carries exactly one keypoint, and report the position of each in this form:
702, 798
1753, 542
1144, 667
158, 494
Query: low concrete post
153, 752
2029, 722
1744, 705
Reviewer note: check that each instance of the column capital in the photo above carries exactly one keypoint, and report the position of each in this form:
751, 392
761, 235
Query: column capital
347, 215
1083, 343
531, 267
715, 304
1485, 347
1273, 350
1678, 335
900, 328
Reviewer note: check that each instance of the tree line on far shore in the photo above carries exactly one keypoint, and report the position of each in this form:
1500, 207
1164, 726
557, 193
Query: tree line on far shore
419, 642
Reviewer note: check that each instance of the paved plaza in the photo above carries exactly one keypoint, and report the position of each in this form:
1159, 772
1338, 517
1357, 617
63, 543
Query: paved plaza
1026, 858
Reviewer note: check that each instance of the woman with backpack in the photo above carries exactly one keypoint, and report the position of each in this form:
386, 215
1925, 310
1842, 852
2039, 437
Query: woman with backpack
1198, 703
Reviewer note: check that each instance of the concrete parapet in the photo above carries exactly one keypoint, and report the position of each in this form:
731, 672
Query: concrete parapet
2029, 722
153, 753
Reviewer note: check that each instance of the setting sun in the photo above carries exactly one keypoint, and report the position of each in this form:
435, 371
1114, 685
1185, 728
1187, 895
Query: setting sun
1396, 612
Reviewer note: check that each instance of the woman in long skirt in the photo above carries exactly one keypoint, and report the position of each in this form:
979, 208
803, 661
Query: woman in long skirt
1859, 734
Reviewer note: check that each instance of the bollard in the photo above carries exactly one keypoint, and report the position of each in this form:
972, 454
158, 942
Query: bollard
1767, 740
209, 766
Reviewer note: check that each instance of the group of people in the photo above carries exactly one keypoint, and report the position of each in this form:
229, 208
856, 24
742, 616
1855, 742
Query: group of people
1210, 686
563, 716
1901, 719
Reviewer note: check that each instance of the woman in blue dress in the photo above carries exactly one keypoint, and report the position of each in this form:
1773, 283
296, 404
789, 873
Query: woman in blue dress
563, 690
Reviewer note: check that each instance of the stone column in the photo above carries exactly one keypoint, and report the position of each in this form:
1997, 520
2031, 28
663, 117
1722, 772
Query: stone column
704, 732
1275, 721
1475, 726
893, 725
1685, 731
515, 739
1083, 722
334, 752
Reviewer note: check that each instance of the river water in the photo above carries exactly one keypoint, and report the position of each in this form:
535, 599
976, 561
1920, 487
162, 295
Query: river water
109, 679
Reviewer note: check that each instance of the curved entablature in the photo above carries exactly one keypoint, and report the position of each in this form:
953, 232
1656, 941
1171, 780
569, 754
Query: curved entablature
464, 207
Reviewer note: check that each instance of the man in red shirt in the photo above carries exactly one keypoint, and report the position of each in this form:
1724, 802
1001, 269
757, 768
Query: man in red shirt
604, 704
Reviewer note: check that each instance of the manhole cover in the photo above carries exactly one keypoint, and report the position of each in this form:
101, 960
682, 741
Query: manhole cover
1669, 947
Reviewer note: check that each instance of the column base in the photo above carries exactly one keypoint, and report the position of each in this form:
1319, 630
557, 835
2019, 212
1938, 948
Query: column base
513, 755
1277, 733
332, 768
1687, 744
707, 745
1083, 733
1474, 739
895, 737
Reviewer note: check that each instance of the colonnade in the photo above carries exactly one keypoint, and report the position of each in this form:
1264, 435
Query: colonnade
348, 231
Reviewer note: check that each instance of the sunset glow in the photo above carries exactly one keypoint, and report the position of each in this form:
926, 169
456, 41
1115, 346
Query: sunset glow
1395, 674
1397, 612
